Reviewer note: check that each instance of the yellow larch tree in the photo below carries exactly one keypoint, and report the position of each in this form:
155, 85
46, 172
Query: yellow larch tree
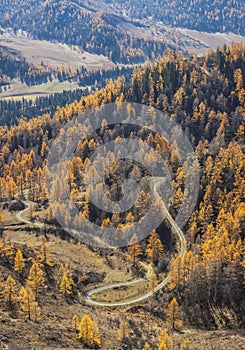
9, 253
36, 278
134, 250
19, 261
45, 254
180, 269
28, 303
153, 282
1, 246
146, 347
130, 218
1, 220
88, 332
66, 283
173, 318
35, 311
106, 222
163, 346
154, 247
164, 338
9, 292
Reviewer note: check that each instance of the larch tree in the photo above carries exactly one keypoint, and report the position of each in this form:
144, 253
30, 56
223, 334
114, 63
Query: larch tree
19, 261
163, 346
88, 333
9, 292
36, 278
175, 276
8, 251
66, 283
35, 311
134, 250
164, 338
1, 246
154, 247
153, 282
173, 315
45, 254
27, 300
180, 269
129, 218
146, 347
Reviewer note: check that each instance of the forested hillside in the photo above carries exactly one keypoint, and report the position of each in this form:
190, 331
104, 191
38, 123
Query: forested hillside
206, 288
202, 15
123, 31
13, 67
63, 21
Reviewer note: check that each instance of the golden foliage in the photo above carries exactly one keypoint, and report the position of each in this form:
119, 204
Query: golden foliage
19, 261
66, 283
88, 332
29, 304
9, 292
154, 247
165, 340
173, 318
36, 278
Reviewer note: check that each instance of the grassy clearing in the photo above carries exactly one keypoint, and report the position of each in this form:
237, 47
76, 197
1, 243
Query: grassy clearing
54, 54
18, 90
125, 293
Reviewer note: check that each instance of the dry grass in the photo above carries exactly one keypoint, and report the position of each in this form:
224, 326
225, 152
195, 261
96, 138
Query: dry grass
53, 54
18, 90
126, 293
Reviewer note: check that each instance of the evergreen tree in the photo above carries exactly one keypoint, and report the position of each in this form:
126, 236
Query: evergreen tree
165, 340
146, 347
173, 315
36, 278
19, 261
66, 283
154, 247
88, 333
9, 292
134, 250
45, 255
28, 303
153, 281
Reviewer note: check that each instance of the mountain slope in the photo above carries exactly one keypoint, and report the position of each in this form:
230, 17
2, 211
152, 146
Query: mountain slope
124, 32
66, 22
203, 15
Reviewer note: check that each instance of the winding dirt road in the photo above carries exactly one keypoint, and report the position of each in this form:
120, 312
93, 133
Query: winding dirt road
181, 237
26, 221
87, 297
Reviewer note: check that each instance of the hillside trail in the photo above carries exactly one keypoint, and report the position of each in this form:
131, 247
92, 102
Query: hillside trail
87, 296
